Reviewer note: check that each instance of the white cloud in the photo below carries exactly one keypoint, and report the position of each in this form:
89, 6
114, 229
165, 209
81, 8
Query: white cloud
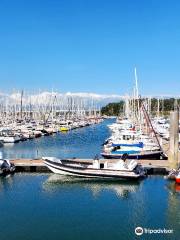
47, 97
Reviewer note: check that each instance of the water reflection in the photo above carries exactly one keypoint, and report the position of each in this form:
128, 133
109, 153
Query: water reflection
177, 187
122, 189
82, 143
74, 207
6, 182
173, 187
173, 206
10, 145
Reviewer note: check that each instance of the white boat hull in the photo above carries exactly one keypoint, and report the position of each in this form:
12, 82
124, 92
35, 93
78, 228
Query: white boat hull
89, 172
11, 139
58, 171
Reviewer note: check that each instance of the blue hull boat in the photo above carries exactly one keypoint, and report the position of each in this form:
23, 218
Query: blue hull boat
135, 155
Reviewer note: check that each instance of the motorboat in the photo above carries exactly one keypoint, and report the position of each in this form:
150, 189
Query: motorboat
10, 139
133, 153
64, 129
6, 166
127, 138
9, 136
119, 169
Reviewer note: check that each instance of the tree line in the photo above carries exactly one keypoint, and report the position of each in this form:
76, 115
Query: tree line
164, 106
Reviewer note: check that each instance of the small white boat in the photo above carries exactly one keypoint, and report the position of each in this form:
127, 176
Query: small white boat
106, 170
11, 139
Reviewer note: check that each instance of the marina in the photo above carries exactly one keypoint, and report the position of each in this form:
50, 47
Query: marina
84, 158
133, 136
67, 168
24, 117
124, 136
89, 120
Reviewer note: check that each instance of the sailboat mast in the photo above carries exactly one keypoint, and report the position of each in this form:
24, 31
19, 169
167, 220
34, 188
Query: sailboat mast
137, 94
136, 82
21, 103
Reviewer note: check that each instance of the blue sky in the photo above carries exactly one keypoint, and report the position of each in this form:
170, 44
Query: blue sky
90, 45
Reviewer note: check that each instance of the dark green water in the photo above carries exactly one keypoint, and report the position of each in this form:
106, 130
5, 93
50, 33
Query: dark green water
47, 206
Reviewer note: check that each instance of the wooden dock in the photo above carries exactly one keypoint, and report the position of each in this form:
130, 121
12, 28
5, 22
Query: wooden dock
37, 165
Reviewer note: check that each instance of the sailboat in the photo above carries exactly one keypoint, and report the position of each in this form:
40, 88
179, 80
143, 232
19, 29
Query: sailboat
128, 135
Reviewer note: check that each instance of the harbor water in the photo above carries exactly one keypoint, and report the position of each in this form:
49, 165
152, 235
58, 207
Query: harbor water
49, 206
83, 143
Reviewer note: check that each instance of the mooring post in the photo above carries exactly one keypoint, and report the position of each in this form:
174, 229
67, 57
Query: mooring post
174, 140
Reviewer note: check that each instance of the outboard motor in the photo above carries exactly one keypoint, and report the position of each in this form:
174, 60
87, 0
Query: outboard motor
5, 165
140, 170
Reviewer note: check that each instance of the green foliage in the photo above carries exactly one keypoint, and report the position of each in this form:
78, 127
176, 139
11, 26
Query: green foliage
113, 109
165, 105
